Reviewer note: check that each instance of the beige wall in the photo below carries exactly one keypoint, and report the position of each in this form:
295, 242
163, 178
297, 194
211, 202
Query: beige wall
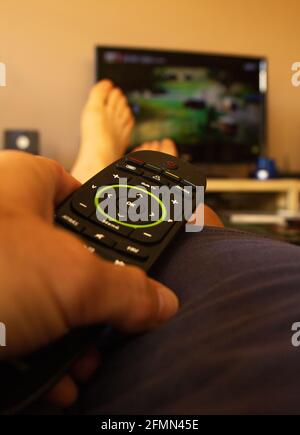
48, 48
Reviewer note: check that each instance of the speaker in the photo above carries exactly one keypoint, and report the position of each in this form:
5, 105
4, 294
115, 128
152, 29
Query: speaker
22, 140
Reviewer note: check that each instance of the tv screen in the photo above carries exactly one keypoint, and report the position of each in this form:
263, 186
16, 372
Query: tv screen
212, 106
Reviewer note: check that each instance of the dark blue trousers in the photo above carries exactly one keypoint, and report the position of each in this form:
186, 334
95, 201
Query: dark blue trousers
229, 348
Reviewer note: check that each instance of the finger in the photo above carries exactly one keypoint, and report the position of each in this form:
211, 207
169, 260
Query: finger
64, 393
39, 185
85, 368
62, 183
120, 296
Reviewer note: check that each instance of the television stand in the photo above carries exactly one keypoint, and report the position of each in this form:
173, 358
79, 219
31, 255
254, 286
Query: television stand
286, 191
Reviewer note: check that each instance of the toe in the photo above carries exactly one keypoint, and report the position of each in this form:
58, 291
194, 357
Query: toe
99, 94
149, 146
115, 96
166, 146
155, 145
126, 116
140, 147
169, 147
121, 105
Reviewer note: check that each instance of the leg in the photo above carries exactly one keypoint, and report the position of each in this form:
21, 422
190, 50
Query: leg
229, 348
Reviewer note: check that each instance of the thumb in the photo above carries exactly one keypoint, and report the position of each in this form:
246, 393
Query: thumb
123, 297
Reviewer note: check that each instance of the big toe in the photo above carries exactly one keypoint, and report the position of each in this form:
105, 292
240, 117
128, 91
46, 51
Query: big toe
116, 100
169, 147
99, 94
126, 116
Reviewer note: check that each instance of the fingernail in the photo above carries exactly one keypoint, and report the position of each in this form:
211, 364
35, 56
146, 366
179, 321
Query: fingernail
168, 303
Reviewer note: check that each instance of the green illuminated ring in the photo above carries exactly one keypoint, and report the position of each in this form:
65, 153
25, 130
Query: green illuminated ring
153, 224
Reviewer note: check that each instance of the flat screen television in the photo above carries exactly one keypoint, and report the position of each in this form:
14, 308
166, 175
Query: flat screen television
213, 106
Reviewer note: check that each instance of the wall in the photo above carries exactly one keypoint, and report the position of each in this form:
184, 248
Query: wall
48, 48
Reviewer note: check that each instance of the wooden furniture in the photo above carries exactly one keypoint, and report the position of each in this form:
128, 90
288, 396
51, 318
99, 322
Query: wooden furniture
287, 190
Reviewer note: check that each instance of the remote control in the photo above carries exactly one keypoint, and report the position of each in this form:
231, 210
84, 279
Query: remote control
128, 214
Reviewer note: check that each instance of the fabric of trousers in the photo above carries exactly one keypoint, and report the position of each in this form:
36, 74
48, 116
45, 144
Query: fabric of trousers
229, 348
227, 351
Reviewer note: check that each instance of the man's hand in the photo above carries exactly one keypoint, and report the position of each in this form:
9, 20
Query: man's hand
49, 282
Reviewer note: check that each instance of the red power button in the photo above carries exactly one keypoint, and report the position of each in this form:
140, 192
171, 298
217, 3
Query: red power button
170, 164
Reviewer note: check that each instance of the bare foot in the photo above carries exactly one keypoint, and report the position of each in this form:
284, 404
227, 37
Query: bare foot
164, 146
211, 219
106, 126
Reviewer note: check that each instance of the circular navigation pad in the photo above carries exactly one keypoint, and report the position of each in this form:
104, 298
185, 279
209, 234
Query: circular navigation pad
126, 224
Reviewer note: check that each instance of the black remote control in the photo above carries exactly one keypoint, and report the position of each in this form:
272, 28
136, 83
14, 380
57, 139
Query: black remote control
128, 214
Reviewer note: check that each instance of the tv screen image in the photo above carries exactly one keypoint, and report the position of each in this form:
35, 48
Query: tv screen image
212, 106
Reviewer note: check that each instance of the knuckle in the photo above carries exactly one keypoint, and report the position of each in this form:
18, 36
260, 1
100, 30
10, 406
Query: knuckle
145, 301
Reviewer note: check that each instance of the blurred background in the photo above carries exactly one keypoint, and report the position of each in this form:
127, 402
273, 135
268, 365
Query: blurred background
48, 48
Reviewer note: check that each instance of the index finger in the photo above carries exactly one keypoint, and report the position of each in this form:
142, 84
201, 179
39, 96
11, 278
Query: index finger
33, 184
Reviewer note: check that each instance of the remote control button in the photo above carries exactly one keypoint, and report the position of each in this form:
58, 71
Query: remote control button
115, 177
112, 256
135, 161
147, 185
113, 226
91, 248
171, 176
143, 216
132, 250
70, 221
132, 193
128, 167
122, 262
85, 207
91, 187
139, 214
187, 190
152, 234
96, 249
131, 205
153, 168
170, 164
176, 208
99, 237
159, 179
109, 180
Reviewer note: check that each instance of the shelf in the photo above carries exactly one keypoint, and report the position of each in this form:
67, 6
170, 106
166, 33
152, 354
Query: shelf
288, 189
